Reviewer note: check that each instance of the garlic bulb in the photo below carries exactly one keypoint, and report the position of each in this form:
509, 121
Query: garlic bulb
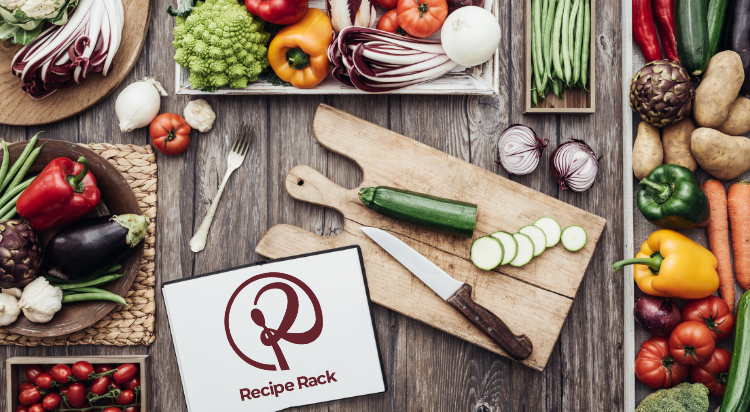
9, 309
199, 115
138, 104
13, 292
40, 300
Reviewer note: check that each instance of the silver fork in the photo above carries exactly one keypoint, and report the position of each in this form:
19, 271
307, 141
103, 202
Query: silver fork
234, 161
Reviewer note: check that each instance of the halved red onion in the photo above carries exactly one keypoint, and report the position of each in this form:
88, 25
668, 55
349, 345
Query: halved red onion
518, 149
574, 166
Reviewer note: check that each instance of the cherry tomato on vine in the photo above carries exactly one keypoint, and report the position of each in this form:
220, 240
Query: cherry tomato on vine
82, 370
44, 381
115, 385
713, 312
100, 386
76, 394
389, 23
132, 409
112, 409
136, 382
25, 385
387, 4
64, 389
691, 343
32, 371
30, 396
60, 373
714, 372
125, 398
48, 368
170, 133
103, 368
125, 373
37, 407
52, 401
22, 408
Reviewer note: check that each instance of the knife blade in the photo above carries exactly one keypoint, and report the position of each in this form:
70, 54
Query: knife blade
457, 294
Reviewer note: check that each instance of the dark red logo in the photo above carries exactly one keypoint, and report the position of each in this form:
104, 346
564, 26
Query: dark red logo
269, 336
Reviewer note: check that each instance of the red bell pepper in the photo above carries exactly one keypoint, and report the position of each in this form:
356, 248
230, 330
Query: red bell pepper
63, 192
281, 12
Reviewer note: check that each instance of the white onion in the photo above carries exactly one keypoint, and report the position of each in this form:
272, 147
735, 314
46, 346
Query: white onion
518, 149
138, 104
470, 35
574, 166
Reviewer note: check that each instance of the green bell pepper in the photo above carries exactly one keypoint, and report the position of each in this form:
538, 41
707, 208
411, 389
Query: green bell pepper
671, 197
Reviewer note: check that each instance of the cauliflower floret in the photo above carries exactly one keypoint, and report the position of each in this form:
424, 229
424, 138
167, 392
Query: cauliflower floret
222, 44
34, 9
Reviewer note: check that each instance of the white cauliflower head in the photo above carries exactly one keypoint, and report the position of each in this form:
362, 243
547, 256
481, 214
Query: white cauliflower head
34, 9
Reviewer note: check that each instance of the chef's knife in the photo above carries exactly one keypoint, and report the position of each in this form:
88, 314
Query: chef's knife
456, 293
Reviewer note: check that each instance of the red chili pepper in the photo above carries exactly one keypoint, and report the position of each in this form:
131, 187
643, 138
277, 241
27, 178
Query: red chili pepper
664, 15
63, 192
644, 31
278, 11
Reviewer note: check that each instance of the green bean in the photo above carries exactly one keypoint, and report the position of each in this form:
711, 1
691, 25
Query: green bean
9, 206
10, 215
98, 281
560, 88
578, 45
565, 42
6, 161
537, 27
545, 6
556, 34
546, 46
586, 43
79, 297
25, 168
14, 191
19, 162
571, 39
536, 78
113, 269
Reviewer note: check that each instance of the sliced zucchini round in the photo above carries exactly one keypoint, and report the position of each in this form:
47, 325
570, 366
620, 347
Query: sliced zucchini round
574, 238
486, 253
551, 228
525, 250
537, 237
510, 246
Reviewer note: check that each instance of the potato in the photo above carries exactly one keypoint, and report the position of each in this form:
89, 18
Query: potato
676, 141
720, 85
647, 150
737, 122
722, 156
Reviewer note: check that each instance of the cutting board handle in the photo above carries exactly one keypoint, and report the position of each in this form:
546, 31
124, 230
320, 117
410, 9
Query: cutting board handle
308, 185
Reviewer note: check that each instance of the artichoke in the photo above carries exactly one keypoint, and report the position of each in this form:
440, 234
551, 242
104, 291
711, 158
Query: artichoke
661, 93
20, 254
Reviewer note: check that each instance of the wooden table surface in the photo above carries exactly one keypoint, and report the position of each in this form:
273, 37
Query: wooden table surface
427, 370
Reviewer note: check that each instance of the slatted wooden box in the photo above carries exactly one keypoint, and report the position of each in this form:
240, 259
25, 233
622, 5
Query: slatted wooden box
15, 372
483, 79
573, 101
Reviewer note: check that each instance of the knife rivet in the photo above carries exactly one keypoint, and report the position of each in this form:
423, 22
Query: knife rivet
489, 329
463, 307
476, 317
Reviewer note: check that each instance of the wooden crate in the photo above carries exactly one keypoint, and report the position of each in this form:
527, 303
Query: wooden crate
15, 372
483, 79
573, 101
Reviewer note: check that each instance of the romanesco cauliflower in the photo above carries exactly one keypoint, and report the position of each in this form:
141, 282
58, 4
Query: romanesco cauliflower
222, 44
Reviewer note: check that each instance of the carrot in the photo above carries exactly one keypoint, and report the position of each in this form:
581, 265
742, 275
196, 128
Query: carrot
718, 238
738, 205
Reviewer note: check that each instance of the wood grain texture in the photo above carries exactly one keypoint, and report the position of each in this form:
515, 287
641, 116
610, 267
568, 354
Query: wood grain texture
427, 369
23, 110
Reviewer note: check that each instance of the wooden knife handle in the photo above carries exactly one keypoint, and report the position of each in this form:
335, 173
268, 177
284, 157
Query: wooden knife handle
519, 347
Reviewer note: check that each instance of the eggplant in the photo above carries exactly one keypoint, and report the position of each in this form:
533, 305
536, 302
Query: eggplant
740, 38
86, 248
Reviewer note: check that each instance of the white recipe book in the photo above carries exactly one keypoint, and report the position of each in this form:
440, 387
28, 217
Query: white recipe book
276, 334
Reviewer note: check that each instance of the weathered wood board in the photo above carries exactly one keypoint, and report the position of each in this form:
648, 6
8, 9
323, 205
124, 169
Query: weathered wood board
533, 300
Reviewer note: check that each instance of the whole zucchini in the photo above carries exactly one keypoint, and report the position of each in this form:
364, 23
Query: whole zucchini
717, 11
691, 31
737, 395
445, 215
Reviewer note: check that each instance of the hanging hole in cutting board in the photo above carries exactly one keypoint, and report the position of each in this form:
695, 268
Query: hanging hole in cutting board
300, 182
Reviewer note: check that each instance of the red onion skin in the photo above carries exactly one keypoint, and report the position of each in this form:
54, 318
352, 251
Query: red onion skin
556, 174
541, 144
657, 315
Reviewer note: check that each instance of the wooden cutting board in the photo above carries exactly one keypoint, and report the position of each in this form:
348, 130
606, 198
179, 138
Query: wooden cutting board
532, 300
17, 108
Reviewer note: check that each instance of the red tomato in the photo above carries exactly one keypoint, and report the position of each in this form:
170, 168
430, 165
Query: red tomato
44, 381
714, 372
655, 366
22, 408
125, 398
76, 394
103, 368
100, 385
125, 373
132, 409
82, 370
422, 19
48, 368
64, 389
25, 385
691, 343
60, 373
170, 134
712, 311
30, 396
51, 401
113, 409
387, 4
32, 371
136, 382
389, 23
37, 407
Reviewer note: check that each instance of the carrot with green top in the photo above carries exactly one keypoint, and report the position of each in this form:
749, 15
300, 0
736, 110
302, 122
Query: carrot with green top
718, 238
738, 204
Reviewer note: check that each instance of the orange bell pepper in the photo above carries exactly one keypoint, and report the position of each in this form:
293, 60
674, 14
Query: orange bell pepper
299, 52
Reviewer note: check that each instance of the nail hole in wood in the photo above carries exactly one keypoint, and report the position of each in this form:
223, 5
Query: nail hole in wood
463, 307
476, 317
489, 329
300, 182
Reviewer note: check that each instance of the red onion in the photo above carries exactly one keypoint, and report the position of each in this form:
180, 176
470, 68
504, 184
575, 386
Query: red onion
657, 315
574, 166
518, 149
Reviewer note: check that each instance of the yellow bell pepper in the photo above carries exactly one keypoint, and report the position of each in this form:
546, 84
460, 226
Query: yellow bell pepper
673, 266
299, 52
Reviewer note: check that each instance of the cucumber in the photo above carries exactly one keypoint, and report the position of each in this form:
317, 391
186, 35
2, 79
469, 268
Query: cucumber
445, 215
537, 237
525, 250
551, 228
691, 32
717, 11
574, 238
510, 246
486, 253
737, 394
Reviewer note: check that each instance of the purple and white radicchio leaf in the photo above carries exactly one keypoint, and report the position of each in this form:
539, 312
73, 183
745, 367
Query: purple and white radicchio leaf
348, 13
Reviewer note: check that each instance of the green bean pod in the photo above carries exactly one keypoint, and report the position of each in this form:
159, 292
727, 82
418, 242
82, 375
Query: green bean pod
19, 162
547, 40
80, 297
565, 46
586, 44
10, 215
556, 34
113, 269
25, 168
572, 30
95, 282
6, 161
537, 29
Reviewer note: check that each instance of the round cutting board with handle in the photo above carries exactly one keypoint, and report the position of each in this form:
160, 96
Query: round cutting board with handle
17, 108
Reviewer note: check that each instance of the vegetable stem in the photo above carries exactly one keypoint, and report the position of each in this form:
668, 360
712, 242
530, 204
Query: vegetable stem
654, 262
75, 181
